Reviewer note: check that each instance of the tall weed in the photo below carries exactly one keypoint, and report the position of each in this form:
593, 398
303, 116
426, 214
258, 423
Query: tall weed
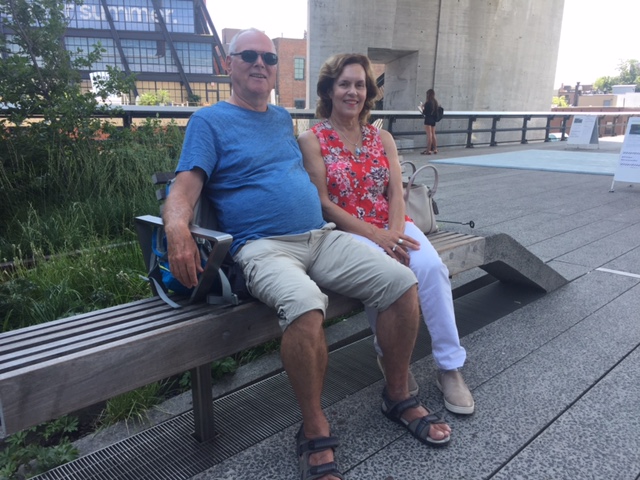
56, 194
68, 284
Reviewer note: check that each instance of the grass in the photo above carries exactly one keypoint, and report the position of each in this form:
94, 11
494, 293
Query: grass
66, 285
61, 195
132, 406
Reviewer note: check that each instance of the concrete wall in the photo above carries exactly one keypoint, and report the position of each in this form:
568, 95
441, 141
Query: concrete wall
476, 54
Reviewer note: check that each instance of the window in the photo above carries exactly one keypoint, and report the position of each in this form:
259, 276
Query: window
298, 104
298, 68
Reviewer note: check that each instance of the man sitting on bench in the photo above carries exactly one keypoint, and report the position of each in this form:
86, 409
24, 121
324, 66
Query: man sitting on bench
243, 155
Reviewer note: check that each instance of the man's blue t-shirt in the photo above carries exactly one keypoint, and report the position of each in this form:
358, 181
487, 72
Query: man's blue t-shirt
255, 177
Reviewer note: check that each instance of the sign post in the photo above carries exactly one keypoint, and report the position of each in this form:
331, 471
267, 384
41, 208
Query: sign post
628, 169
584, 131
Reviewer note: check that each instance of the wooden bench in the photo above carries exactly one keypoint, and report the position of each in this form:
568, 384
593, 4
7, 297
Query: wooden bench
59, 367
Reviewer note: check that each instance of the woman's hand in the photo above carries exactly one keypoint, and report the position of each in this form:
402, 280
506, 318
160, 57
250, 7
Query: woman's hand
396, 244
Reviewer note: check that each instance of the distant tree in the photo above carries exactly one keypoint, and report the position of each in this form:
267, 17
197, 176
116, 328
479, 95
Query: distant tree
38, 76
604, 84
629, 73
559, 102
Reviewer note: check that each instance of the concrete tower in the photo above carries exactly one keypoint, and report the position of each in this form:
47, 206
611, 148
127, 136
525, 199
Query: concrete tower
477, 54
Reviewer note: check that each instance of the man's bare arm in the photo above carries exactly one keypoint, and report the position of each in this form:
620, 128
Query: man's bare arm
184, 259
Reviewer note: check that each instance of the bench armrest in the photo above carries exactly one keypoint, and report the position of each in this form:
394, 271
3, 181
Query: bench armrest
220, 244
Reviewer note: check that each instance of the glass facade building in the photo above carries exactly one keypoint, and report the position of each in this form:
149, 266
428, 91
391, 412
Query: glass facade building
169, 45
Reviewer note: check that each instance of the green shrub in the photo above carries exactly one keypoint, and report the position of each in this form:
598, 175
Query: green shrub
38, 449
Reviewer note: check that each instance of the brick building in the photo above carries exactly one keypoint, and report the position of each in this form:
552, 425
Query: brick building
291, 79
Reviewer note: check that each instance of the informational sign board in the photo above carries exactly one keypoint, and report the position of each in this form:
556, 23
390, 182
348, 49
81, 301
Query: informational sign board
583, 131
628, 169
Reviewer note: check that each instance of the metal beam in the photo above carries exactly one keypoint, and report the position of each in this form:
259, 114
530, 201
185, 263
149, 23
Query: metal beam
116, 39
174, 53
218, 49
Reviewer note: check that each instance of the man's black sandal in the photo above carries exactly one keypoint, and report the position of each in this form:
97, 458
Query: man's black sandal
419, 427
307, 447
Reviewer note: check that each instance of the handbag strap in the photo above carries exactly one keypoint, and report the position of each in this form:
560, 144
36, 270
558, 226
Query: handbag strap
410, 182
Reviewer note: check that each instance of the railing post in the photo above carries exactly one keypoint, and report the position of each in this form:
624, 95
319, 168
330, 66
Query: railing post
547, 130
494, 126
564, 128
470, 131
525, 121
392, 120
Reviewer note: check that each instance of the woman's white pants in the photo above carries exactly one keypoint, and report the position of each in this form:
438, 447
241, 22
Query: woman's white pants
436, 301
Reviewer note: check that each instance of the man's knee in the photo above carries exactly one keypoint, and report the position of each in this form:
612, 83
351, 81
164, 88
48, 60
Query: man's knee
307, 302
306, 327
407, 303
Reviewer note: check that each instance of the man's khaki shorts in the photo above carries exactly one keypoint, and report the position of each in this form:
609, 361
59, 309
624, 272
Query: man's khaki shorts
286, 272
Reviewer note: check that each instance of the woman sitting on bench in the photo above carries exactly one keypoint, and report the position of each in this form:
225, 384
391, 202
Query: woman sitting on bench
355, 167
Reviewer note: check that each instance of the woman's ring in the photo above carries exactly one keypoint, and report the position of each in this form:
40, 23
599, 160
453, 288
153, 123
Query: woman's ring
394, 248
400, 241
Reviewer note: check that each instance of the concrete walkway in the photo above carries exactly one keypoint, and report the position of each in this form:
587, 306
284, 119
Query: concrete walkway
556, 382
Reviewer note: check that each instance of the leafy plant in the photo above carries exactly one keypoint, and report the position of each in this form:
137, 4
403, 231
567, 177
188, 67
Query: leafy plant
222, 367
38, 449
148, 98
160, 97
163, 97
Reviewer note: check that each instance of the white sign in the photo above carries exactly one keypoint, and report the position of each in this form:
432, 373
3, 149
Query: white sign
583, 131
628, 169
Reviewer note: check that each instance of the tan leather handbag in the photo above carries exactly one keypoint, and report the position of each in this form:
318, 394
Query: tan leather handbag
418, 198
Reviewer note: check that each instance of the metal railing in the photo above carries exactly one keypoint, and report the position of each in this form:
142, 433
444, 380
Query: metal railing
457, 128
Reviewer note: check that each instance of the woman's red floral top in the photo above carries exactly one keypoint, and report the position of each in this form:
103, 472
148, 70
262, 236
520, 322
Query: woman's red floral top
358, 184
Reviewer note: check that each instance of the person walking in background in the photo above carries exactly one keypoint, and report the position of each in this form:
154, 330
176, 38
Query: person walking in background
430, 111
356, 169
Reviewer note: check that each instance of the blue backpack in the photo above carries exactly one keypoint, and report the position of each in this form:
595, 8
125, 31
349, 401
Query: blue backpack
217, 286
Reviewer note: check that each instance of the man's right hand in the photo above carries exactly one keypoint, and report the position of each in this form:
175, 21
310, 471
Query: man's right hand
184, 258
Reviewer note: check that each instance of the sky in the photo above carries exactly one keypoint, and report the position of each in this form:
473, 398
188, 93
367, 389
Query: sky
596, 36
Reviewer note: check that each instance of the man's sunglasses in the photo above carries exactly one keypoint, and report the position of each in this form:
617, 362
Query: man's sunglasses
251, 56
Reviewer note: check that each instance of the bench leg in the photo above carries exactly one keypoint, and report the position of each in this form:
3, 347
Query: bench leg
202, 402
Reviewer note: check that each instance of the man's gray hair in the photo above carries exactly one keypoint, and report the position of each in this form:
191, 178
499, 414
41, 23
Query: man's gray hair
234, 40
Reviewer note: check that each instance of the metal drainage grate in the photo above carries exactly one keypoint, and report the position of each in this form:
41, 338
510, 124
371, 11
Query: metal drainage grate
244, 418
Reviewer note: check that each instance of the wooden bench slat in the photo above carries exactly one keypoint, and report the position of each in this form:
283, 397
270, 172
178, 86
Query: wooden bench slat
61, 323
90, 338
72, 329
